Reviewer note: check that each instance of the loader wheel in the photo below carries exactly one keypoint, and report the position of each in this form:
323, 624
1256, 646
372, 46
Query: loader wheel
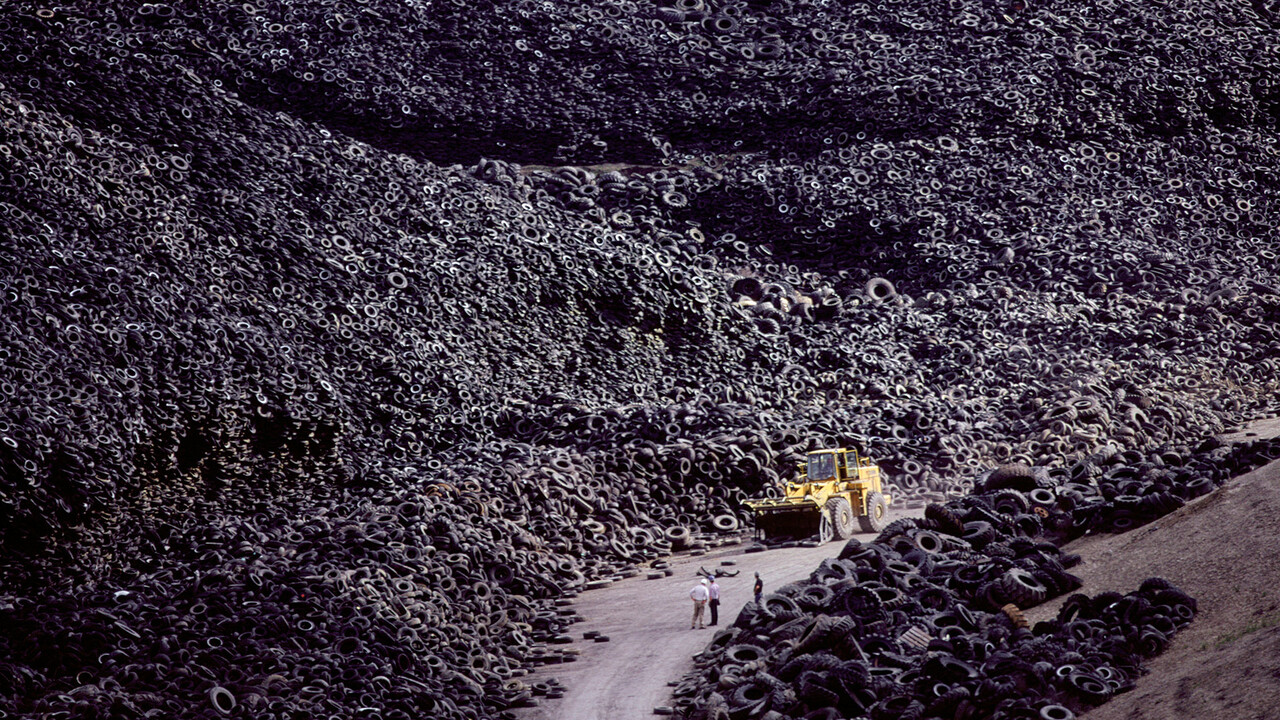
877, 510
842, 522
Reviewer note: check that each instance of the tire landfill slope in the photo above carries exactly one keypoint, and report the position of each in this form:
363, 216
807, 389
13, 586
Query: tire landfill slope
315, 399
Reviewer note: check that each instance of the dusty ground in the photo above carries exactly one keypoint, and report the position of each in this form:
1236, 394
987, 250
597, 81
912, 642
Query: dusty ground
647, 622
1222, 550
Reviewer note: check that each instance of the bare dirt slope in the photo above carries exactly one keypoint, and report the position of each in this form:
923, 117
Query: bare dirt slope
1221, 549
647, 622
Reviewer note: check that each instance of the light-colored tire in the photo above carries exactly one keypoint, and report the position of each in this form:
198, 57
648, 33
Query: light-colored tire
825, 529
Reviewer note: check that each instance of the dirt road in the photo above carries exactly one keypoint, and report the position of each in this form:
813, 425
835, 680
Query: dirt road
647, 622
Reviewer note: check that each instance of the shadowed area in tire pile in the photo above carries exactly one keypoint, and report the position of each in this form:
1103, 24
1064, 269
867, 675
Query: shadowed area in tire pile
314, 401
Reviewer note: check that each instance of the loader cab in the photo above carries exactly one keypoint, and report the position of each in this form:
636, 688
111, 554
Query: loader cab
822, 465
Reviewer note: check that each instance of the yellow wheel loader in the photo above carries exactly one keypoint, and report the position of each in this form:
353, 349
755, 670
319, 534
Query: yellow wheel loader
834, 491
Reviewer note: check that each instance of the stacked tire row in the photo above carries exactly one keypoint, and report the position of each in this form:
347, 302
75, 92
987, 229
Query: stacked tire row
398, 608
927, 622
1112, 491
233, 311
954, 370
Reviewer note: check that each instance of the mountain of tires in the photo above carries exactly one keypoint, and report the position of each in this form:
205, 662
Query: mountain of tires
343, 338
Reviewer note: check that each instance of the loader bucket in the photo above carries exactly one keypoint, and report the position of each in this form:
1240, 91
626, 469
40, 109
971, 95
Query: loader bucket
797, 522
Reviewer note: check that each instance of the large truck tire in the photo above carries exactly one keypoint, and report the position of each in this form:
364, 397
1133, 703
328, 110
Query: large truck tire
842, 518
877, 514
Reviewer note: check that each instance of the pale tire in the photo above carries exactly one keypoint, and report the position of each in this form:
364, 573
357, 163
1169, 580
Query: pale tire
825, 529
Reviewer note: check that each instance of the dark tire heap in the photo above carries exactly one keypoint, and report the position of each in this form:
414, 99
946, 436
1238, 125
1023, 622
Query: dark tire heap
342, 339
923, 623
859, 657
1106, 492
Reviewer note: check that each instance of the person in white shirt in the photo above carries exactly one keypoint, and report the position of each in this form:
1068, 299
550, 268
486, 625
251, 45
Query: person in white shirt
713, 591
699, 594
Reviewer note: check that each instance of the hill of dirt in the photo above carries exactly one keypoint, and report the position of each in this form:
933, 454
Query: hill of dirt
1220, 550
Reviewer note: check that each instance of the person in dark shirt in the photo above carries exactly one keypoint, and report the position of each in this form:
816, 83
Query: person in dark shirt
714, 604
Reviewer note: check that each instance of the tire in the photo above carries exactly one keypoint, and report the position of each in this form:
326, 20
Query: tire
1173, 597
842, 522
750, 694
815, 597
929, 541
1199, 486
1155, 584
1022, 588
743, 654
816, 695
901, 526
725, 522
858, 601
825, 531
880, 290
948, 521
1009, 502
1056, 712
891, 597
816, 636
779, 606
877, 513
1089, 687
1017, 476
978, 533
946, 668
934, 597
1043, 497
222, 700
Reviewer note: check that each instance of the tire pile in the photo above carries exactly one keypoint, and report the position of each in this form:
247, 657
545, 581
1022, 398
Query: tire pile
927, 622
870, 651
349, 319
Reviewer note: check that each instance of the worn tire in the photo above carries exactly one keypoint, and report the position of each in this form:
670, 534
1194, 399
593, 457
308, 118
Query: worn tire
1009, 502
1022, 588
978, 533
842, 518
742, 654
880, 290
1016, 476
877, 512
1056, 712
948, 521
